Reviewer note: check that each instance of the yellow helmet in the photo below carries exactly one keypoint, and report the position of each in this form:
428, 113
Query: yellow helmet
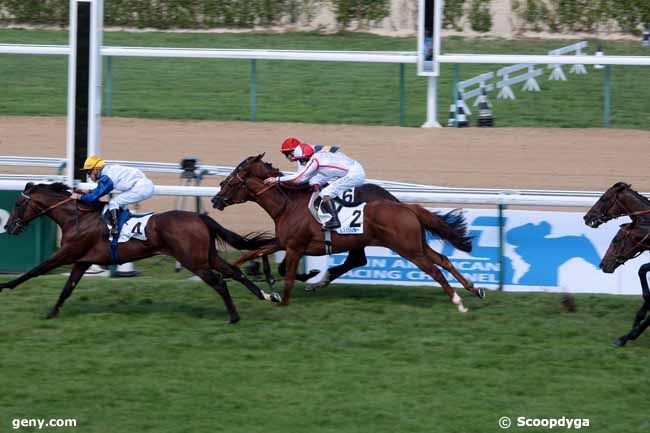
93, 162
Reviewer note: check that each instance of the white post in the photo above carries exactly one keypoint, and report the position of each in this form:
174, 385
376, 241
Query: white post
95, 76
72, 78
432, 103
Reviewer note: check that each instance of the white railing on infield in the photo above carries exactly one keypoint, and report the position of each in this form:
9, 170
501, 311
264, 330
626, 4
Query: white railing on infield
455, 196
401, 188
408, 57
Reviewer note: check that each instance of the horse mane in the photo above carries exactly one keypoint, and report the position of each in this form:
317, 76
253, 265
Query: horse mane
63, 190
274, 171
640, 196
53, 188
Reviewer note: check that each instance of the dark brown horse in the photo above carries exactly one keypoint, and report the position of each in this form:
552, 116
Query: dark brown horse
630, 241
398, 226
187, 236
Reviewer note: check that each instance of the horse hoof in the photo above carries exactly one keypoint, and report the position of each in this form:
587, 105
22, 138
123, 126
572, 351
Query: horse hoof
619, 342
275, 297
234, 320
52, 314
480, 293
463, 309
271, 283
316, 286
312, 273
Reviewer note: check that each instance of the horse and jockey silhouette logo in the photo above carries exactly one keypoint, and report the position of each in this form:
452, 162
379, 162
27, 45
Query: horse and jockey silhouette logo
536, 246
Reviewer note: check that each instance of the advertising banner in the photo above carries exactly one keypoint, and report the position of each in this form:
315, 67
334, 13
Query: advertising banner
542, 251
23, 252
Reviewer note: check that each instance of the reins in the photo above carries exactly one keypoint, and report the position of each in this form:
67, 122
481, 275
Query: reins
625, 212
44, 211
620, 257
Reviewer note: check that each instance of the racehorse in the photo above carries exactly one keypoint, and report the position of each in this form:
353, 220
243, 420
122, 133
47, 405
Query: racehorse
630, 241
365, 193
187, 236
398, 226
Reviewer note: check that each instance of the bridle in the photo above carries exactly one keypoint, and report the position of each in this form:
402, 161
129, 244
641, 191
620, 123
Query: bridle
603, 217
20, 209
243, 182
621, 257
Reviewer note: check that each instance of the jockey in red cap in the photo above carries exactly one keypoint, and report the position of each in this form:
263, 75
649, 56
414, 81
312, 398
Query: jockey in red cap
288, 146
335, 168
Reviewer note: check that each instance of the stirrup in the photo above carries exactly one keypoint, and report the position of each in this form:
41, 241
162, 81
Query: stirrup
332, 224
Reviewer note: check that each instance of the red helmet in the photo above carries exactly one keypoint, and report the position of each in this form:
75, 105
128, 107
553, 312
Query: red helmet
303, 151
289, 145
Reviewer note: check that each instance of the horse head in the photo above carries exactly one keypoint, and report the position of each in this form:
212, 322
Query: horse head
244, 183
615, 202
33, 200
630, 241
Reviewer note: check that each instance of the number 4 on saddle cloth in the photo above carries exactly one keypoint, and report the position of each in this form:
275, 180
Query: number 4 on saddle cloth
350, 212
132, 226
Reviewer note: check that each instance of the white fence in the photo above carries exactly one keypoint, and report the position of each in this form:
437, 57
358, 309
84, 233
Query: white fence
407, 192
408, 57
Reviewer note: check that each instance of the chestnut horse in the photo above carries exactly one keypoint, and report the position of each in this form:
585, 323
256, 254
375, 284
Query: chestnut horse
364, 193
630, 241
187, 236
398, 226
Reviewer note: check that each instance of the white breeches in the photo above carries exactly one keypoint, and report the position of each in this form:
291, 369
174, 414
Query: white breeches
142, 190
353, 179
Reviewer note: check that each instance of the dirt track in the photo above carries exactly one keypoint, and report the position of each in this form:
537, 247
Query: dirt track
580, 159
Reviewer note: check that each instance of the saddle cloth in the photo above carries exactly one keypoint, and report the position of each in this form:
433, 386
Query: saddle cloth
351, 217
132, 226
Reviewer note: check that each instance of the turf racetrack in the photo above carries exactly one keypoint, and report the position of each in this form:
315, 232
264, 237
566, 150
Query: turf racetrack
157, 354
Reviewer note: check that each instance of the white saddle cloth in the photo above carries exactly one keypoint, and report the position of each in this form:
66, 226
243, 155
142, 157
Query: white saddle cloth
351, 217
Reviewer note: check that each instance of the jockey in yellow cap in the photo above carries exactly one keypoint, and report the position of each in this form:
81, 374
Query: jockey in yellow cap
131, 182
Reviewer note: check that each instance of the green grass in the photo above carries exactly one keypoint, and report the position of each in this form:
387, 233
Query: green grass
315, 92
156, 354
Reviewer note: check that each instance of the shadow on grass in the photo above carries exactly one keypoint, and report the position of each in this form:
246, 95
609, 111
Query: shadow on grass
417, 296
147, 307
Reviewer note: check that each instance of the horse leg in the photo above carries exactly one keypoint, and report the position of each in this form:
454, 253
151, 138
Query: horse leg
266, 268
78, 270
292, 259
234, 272
282, 267
61, 257
354, 259
217, 283
423, 262
260, 252
444, 262
638, 328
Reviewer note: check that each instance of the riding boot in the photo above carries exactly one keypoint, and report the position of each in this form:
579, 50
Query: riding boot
112, 217
328, 207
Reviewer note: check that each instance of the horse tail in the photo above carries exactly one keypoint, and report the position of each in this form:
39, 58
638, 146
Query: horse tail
451, 227
222, 235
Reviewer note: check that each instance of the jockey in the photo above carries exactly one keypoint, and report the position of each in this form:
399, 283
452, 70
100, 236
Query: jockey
289, 146
335, 168
132, 183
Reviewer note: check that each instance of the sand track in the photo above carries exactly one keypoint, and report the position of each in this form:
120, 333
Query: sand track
580, 159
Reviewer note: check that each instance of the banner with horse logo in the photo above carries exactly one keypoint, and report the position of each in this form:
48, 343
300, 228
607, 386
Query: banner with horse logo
540, 251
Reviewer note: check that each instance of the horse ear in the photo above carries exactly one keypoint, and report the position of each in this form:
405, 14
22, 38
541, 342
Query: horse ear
29, 186
260, 156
